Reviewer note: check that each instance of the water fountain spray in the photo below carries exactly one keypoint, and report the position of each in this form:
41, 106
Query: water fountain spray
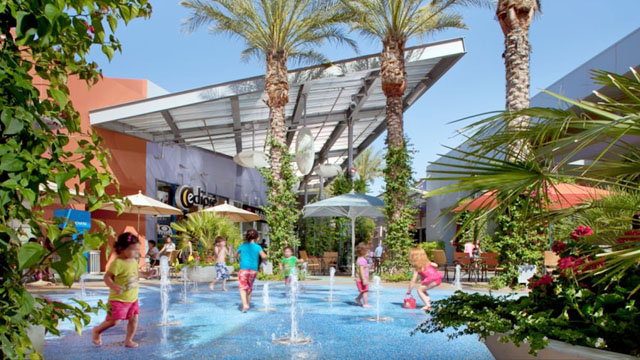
332, 281
377, 286
266, 299
456, 281
294, 338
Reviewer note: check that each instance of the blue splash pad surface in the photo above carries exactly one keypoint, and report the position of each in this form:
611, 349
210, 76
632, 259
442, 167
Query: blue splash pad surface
212, 327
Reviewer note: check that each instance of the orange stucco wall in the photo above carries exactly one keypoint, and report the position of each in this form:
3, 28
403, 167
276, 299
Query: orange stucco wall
128, 154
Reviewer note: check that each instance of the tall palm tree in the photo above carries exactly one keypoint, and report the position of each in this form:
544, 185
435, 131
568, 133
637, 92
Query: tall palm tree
369, 165
394, 22
515, 17
276, 31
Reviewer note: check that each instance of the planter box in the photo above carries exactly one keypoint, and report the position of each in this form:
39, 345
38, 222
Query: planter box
555, 350
203, 273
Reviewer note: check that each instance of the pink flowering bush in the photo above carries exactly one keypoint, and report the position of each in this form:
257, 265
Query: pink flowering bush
573, 304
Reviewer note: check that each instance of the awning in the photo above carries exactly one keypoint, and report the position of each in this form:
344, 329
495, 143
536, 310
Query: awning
230, 117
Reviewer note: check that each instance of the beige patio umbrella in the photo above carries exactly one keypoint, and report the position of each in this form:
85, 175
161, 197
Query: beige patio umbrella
145, 205
233, 213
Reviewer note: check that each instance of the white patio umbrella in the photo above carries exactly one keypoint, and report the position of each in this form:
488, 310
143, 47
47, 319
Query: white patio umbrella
145, 205
233, 213
76, 197
351, 205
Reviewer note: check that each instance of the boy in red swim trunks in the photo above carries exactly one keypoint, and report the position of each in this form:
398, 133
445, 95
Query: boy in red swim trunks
249, 252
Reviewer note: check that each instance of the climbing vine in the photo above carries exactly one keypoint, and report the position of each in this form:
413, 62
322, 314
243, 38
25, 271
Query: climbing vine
44, 42
399, 213
282, 206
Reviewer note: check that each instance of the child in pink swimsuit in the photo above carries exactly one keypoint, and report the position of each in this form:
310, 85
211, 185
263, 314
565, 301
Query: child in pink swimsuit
362, 275
430, 277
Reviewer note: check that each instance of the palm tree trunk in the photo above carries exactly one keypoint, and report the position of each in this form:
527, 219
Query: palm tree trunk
515, 17
516, 60
394, 84
277, 88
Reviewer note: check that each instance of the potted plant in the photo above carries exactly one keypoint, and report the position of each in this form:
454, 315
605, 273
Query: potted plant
201, 229
578, 304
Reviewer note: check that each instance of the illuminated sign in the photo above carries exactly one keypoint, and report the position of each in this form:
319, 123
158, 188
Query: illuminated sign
186, 198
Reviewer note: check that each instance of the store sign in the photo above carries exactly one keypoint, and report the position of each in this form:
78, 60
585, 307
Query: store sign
186, 198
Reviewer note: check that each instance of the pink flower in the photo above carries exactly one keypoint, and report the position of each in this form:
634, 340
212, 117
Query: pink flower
543, 280
581, 231
570, 262
633, 235
558, 247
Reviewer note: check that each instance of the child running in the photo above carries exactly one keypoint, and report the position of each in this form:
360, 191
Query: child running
122, 280
288, 264
429, 275
221, 252
362, 275
249, 253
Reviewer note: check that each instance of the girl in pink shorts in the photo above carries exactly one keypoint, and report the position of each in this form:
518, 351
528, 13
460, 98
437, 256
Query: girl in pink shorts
122, 280
362, 275
429, 275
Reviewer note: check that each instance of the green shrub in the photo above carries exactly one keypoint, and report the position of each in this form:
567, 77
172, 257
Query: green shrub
397, 276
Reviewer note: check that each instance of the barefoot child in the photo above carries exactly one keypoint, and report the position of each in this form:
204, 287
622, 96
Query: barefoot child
430, 277
288, 264
221, 252
122, 280
249, 253
362, 275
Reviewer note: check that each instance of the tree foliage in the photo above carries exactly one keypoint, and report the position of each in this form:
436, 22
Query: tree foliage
45, 42
399, 238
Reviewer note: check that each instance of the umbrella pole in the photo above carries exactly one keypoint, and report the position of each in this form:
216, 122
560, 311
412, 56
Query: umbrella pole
353, 247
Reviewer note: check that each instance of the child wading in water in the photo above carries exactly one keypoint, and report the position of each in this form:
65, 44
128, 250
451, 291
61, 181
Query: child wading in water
288, 264
249, 253
221, 252
362, 275
122, 280
430, 277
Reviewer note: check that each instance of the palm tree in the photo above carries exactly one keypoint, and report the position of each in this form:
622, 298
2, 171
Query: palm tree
600, 130
369, 165
276, 31
515, 17
394, 22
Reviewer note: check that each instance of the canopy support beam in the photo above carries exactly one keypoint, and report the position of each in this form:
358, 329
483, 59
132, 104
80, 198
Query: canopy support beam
172, 125
301, 106
237, 124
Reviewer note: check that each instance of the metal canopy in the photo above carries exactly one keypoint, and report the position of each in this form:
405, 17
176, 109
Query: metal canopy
230, 117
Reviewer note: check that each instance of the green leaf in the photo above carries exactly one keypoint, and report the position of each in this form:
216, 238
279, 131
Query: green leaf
12, 125
108, 50
11, 163
29, 254
78, 324
59, 97
113, 22
51, 12
26, 27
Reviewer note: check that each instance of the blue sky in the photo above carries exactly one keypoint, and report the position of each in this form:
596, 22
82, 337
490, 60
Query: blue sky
568, 33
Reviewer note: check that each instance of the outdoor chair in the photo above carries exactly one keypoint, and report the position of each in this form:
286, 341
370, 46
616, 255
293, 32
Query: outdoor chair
329, 259
550, 261
313, 264
440, 258
490, 263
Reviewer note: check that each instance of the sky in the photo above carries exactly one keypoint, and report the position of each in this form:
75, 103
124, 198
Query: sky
564, 36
